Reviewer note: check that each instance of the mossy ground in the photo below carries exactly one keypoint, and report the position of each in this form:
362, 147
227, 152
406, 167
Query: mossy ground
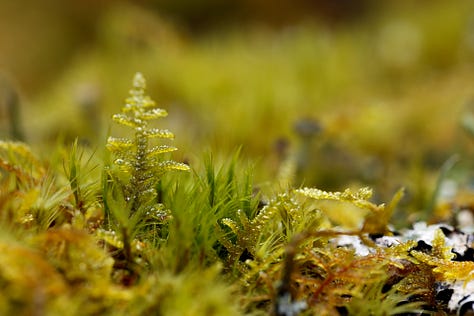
282, 130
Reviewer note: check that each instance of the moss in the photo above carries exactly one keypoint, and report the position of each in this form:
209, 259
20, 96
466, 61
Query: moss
129, 237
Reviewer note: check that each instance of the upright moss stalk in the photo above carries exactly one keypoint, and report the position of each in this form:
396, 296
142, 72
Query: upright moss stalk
143, 164
130, 188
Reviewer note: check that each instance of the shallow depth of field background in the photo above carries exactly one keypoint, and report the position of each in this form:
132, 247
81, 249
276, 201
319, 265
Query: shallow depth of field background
355, 92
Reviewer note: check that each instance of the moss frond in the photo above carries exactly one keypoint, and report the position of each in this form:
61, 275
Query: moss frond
17, 159
353, 209
373, 300
142, 163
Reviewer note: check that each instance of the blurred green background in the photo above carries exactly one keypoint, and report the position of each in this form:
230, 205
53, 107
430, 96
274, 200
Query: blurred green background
352, 92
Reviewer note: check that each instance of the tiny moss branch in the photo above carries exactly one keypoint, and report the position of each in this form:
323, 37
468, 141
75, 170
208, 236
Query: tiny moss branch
142, 163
